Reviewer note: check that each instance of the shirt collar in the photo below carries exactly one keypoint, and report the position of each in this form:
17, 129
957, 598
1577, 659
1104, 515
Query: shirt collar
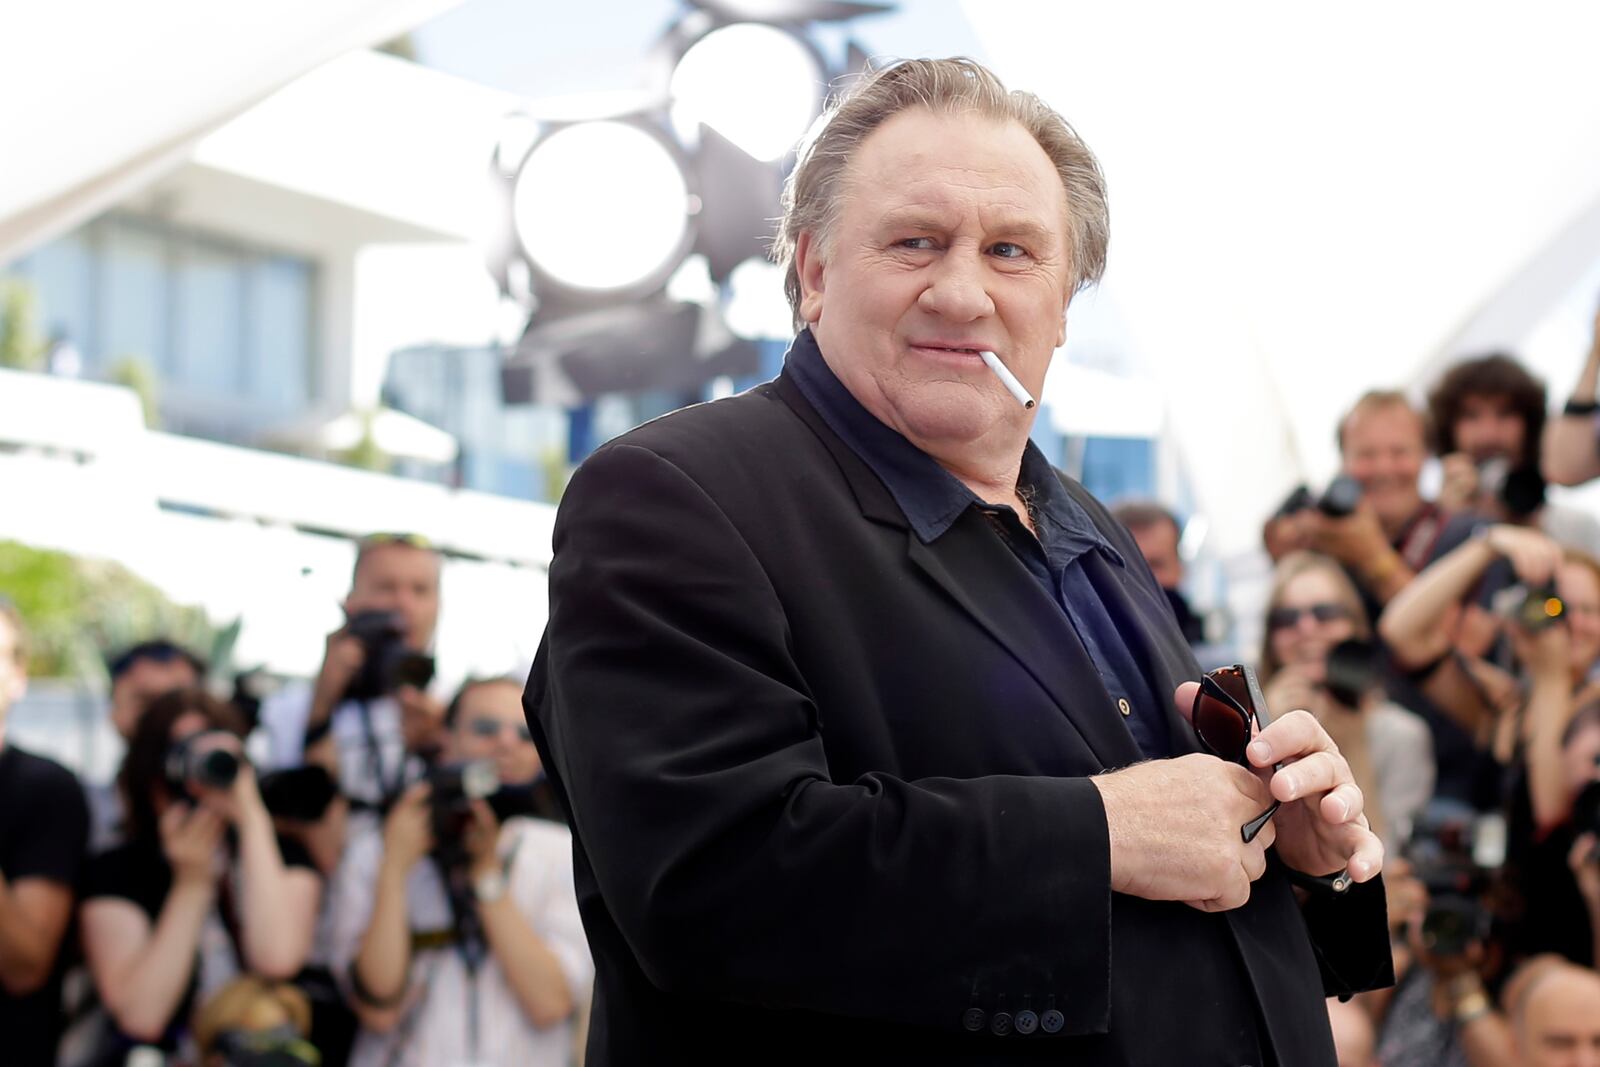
931, 497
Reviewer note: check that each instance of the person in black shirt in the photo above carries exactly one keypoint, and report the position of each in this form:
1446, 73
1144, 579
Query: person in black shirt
201, 889
44, 823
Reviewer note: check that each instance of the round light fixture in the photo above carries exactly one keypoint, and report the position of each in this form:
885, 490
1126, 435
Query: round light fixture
756, 85
603, 208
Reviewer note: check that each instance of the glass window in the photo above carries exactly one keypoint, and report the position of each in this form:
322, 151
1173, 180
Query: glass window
133, 306
208, 327
281, 332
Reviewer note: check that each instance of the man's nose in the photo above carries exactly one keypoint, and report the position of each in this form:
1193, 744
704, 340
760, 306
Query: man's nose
958, 287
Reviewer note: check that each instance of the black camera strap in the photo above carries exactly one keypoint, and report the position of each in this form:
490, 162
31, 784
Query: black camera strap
389, 788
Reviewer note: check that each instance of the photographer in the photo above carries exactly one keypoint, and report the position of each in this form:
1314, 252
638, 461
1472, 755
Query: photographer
1572, 439
201, 889
368, 716
1318, 655
461, 926
1372, 519
44, 825
1488, 417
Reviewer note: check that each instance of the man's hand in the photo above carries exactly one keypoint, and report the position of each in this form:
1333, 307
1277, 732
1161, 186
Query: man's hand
1459, 488
421, 720
1533, 555
1284, 534
408, 830
341, 660
1355, 540
1174, 828
1321, 828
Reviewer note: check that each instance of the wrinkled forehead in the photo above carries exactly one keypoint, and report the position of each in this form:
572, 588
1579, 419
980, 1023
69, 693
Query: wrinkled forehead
388, 563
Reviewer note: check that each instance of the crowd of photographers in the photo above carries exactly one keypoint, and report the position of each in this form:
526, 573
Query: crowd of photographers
1451, 647
353, 871
350, 871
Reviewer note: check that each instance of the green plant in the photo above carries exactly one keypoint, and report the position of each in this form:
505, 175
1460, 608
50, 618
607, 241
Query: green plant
80, 611
21, 346
137, 374
366, 453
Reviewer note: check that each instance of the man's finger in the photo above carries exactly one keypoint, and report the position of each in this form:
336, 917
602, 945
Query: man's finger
1183, 699
1294, 736
1310, 775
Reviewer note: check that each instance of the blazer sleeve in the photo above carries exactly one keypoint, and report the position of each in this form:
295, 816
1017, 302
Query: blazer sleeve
732, 862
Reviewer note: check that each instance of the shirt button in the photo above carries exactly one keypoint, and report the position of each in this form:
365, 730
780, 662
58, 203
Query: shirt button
1052, 1021
1026, 1022
1122, 706
974, 1019
1000, 1025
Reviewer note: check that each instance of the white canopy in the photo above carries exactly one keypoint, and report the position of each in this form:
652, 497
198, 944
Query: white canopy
1311, 202
103, 97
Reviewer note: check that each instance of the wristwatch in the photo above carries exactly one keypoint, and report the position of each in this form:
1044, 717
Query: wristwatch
490, 887
1581, 407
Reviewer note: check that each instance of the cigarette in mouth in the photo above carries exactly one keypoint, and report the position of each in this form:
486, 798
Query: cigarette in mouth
1007, 379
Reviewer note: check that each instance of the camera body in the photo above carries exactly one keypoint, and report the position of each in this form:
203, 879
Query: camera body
1351, 671
191, 765
1339, 500
1533, 607
387, 663
1520, 490
452, 789
1441, 853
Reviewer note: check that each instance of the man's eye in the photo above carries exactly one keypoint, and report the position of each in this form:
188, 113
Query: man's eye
1008, 250
920, 244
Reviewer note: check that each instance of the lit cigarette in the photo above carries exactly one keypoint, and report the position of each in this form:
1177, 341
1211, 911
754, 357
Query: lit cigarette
1007, 379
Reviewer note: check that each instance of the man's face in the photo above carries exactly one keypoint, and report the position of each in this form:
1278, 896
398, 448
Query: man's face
144, 680
1488, 426
490, 724
1384, 450
1158, 544
13, 673
1561, 1022
951, 237
403, 579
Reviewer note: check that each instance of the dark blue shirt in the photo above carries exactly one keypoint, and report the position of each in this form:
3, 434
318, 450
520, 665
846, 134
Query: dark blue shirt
932, 499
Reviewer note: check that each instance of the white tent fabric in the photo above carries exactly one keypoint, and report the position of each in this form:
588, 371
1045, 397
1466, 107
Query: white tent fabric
103, 97
1311, 202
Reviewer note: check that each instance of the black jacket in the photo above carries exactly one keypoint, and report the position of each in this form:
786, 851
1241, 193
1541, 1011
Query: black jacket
829, 785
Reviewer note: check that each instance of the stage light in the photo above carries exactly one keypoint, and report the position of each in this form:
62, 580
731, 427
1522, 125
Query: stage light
756, 85
603, 209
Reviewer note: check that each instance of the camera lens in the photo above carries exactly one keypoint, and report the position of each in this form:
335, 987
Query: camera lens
216, 769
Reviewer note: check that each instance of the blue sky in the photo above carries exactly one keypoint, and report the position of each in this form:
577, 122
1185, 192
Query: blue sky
545, 48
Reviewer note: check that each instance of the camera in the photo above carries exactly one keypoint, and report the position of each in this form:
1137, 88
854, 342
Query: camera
453, 788
300, 793
387, 663
278, 1047
1352, 670
1441, 853
195, 763
1520, 490
1339, 500
1533, 607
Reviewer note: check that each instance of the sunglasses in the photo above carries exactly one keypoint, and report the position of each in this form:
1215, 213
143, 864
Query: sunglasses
1228, 704
1287, 618
494, 727
410, 540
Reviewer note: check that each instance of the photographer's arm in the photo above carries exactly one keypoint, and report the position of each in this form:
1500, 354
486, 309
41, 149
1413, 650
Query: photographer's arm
278, 909
382, 962
142, 971
1417, 623
1570, 452
33, 918
1549, 709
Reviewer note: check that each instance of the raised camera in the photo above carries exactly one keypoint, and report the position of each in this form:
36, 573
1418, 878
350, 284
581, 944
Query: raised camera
197, 762
1533, 607
387, 663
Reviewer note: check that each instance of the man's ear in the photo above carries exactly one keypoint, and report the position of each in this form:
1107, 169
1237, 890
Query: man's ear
1061, 336
810, 269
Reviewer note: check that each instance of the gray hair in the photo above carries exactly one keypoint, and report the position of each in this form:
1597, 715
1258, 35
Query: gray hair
811, 196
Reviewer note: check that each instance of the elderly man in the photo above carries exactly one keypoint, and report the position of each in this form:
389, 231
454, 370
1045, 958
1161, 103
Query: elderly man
1556, 1020
838, 673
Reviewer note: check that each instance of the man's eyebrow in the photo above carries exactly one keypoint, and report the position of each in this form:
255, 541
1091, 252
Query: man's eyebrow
1005, 228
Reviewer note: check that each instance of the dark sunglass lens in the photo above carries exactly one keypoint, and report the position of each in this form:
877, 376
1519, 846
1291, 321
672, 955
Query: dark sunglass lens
1221, 727
1232, 682
485, 727
1283, 618
1327, 612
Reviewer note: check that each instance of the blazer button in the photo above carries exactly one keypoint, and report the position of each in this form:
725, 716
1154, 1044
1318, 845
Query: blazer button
1000, 1024
1026, 1022
1052, 1021
974, 1019
1123, 706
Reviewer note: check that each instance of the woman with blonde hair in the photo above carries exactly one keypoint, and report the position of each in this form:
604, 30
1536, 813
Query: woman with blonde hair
1314, 608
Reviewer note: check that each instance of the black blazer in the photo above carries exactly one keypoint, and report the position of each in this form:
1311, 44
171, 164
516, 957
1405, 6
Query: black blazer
829, 785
